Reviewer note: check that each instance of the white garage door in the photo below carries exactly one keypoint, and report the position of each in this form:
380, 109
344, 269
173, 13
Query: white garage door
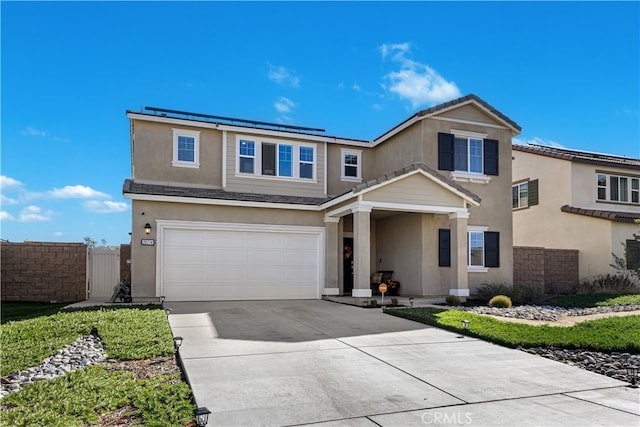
252, 263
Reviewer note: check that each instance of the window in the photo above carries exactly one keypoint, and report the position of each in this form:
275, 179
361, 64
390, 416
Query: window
186, 147
285, 160
274, 159
476, 249
351, 167
247, 156
483, 249
632, 254
306, 162
520, 195
468, 152
620, 189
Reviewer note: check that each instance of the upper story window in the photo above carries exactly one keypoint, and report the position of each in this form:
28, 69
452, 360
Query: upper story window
278, 159
247, 156
524, 194
617, 188
468, 155
351, 165
186, 148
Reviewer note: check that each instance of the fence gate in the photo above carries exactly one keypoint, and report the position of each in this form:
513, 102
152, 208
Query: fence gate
104, 271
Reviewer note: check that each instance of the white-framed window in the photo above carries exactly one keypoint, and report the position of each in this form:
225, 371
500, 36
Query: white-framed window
476, 249
307, 162
618, 188
246, 156
277, 159
468, 154
520, 195
483, 249
351, 167
186, 148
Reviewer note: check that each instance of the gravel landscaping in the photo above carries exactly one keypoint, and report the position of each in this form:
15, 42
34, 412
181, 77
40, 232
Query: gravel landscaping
546, 312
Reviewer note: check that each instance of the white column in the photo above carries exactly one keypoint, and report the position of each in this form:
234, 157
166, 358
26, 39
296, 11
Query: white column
332, 257
362, 252
459, 270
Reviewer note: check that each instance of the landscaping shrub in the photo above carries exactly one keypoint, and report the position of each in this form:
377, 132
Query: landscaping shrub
603, 283
526, 294
486, 291
500, 301
452, 300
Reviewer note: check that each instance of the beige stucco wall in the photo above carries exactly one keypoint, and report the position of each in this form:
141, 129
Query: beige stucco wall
143, 268
153, 155
565, 183
273, 184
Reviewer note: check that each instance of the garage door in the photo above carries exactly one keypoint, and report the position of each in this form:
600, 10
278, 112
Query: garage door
251, 263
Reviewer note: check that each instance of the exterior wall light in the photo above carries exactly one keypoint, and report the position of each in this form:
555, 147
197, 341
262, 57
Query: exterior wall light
147, 228
632, 373
202, 416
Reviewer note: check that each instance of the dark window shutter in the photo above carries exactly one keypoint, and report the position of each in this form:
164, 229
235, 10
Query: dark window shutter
533, 192
445, 151
491, 249
269, 159
444, 247
491, 155
633, 255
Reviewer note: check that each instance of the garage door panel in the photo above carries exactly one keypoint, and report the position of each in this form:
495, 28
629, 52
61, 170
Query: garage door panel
224, 257
212, 264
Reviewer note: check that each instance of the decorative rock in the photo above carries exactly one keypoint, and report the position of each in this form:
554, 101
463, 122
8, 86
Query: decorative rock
82, 352
546, 312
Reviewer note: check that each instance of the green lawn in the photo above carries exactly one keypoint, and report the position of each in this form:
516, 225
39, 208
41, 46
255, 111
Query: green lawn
77, 398
26, 310
610, 334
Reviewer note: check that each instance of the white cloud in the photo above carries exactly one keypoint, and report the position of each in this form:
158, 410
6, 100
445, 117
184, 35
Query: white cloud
105, 206
416, 82
6, 216
31, 131
58, 233
34, 214
77, 192
536, 140
9, 183
284, 105
4, 200
281, 75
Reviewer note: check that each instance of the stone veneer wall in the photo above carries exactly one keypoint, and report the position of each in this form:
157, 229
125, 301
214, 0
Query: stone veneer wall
554, 270
43, 272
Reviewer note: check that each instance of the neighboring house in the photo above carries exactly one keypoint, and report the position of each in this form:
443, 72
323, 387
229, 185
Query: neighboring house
240, 209
567, 199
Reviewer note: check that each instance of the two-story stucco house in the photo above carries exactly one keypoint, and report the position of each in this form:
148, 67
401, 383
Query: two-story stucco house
568, 199
239, 209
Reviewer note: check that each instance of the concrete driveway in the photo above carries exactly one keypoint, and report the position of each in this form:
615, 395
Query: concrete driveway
285, 363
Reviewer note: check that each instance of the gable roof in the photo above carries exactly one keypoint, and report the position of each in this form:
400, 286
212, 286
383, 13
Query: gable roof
468, 99
603, 214
579, 156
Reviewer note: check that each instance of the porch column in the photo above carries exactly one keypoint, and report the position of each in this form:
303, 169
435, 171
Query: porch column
332, 257
459, 271
362, 252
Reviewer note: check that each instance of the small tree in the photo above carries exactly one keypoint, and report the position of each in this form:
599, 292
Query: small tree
89, 242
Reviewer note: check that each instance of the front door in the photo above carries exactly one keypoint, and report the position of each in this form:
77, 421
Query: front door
347, 262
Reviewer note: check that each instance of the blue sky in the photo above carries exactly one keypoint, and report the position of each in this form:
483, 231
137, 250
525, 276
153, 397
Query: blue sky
568, 73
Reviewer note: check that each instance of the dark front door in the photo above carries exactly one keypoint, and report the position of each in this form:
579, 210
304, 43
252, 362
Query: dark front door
347, 260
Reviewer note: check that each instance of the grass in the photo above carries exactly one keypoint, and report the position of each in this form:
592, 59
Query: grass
26, 310
596, 300
608, 334
80, 397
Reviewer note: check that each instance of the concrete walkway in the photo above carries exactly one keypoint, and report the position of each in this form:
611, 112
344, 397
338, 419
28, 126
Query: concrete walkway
286, 363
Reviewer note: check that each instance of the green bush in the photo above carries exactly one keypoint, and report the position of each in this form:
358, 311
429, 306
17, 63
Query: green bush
500, 301
526, 294
452, 300
603, 283
486, 291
